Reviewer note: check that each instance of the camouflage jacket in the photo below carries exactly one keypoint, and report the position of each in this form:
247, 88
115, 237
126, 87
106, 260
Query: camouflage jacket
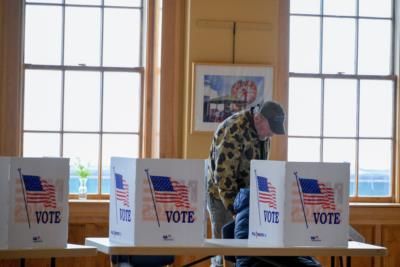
234, 145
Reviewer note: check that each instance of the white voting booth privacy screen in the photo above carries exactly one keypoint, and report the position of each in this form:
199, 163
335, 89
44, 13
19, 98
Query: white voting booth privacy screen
34, 201
157, 201
299, 203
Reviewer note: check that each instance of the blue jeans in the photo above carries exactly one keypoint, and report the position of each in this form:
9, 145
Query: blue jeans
219, 216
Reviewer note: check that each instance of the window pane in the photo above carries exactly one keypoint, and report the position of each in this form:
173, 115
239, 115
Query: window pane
117, 145
132, 3
340, 121
82, 36
82, 101
338, 56
304, 149
305, 6
83, 2
340, 7
374, 8
41, 145
121, 37
374, 47
304, 106
342, 150
375, 168
304, 44
121, 102
376, 108
42, 105
43, 34
85, 148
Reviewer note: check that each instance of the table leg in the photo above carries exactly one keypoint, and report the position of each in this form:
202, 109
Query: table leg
348, 261
332, 261
53, 262
22, 262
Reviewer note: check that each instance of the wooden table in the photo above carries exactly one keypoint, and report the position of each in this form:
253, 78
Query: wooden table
237, 247
71, 250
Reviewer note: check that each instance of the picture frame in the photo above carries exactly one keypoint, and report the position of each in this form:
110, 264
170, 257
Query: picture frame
220, 90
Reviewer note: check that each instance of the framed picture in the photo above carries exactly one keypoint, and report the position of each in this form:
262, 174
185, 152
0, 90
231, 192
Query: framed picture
223, 89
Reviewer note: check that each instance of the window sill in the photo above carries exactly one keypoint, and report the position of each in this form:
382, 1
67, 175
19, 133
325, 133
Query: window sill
373, 205
375, 213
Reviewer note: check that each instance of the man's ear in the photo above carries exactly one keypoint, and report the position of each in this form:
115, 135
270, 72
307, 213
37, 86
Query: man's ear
257, 116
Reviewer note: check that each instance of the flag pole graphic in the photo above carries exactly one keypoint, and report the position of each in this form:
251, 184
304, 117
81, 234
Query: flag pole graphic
301, 198
23, 193
152, 196
115, 193
258, 197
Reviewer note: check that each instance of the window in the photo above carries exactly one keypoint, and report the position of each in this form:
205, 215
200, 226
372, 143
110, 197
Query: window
83, 83
342, 89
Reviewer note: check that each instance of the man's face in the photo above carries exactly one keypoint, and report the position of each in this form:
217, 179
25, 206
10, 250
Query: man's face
262, 126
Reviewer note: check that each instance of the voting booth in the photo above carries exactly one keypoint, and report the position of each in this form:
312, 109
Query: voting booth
34, 202
299, 203
157, 201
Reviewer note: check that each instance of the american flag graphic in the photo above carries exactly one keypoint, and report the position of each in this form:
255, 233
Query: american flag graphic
316, 193
39, 191
167, 190
266, 192
121, 189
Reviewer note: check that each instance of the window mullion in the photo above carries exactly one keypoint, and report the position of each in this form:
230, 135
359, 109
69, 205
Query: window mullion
321, 34
356, 160
62, 80
357, 163
83, 68
321, 158
100, 159
356, 39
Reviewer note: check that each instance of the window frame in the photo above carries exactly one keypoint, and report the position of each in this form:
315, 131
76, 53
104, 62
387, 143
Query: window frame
145, 62
393, 76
